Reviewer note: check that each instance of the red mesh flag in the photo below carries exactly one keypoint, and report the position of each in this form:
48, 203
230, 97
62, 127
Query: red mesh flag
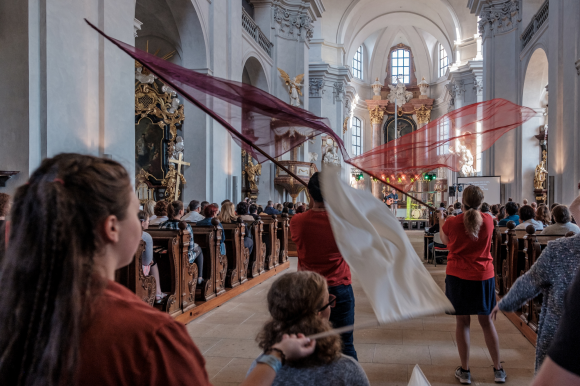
248, 113
451, 141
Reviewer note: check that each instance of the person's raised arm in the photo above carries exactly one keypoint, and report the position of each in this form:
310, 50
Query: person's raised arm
293, 347
444, 238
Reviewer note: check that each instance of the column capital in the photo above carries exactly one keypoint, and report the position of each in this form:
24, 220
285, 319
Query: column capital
377, 114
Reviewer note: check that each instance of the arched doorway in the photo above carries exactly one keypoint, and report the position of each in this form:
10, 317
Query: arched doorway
254, 74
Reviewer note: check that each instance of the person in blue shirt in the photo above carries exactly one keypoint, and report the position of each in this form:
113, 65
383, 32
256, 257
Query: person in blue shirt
511, 209
270, 209
210, 212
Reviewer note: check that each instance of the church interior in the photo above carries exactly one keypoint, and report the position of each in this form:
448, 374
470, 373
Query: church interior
435, 113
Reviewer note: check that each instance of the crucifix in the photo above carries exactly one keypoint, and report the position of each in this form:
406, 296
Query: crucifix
178, 162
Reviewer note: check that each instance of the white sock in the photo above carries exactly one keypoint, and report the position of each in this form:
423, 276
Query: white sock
199, 280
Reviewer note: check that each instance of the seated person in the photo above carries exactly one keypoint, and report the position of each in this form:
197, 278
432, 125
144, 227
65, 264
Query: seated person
254, 211
202, 207
148, 263
511, 210
194, 214
285, 210
303, 298
543, 215
175, 213
242, 210
486, 209
149, 208
260, 210
433, 230
161, 213
457, 209
228, 216
211, 211
291, 208
270, 209
527, 215
562, 225
301, 209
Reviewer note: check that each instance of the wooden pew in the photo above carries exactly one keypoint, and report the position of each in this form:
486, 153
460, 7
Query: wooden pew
258, 255
215, 264
178, 278
283, 236
270, 238
132, 277
238, 255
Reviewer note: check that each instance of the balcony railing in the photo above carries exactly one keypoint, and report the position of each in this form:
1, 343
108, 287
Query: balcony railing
252, 28
537, 20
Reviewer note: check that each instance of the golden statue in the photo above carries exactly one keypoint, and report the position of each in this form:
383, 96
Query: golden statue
541, 173
171, 182
252, 171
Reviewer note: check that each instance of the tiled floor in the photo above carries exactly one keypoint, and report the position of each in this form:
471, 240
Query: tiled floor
226, 336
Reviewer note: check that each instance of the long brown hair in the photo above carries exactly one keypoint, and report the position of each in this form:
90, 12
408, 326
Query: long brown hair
294, 301
472, 219
173, 209
543, 215
47, 273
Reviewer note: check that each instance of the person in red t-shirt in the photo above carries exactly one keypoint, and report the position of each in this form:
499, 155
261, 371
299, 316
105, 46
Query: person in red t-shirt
63, 320
470, 282
318, 252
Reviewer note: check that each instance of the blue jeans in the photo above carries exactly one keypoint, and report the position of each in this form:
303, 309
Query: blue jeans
343, 315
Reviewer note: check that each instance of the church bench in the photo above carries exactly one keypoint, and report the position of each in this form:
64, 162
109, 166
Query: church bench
215, 264
132, 277
178, 278
258, 255
238, 255
283, 236
270, 238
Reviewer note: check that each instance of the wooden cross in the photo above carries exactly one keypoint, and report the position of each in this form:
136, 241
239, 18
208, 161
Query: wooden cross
179, 162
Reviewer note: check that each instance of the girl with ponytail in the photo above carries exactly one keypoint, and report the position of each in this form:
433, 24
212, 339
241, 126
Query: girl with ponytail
470, 282
63, 319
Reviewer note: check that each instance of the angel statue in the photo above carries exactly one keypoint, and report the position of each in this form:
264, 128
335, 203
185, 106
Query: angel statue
293, 87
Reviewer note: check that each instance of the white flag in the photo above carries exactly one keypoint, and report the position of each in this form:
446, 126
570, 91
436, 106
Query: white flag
379, 253
418, 378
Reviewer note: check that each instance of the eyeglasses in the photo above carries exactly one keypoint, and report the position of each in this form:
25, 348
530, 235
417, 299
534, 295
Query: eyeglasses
331, 303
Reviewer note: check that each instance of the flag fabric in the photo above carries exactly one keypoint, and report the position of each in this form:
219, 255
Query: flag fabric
379, 253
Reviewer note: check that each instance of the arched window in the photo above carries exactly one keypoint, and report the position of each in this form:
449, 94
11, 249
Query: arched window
443, 60
401, 64
356, 137
443, 129
357, 61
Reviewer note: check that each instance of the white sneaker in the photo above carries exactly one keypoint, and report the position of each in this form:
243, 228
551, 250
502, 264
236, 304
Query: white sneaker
463, 376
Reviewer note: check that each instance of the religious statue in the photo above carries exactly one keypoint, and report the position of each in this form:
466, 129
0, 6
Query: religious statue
253, 171
143, 75
293, 87
541, 173
345, 125
331, 157
399, 94
377, 87
171, 181
177, 148
465, 160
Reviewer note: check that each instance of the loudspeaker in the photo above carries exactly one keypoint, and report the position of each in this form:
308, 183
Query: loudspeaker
452, 191
235, 189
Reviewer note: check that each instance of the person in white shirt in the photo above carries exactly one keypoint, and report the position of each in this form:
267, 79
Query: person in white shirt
561, 215
194, 212
161, 213
527, 215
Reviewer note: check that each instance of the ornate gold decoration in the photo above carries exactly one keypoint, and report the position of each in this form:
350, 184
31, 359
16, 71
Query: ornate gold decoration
144, 193
423, 114
541, 173
146, 100
171, 183
252, 170
345, 125
377, 115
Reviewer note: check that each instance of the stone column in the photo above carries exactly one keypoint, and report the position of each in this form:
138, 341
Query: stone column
377, 114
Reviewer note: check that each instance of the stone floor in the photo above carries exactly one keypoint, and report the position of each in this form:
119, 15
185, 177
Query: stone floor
387, 353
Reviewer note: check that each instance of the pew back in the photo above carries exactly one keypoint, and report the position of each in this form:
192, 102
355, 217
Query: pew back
258, 255
214, 263
237, 254
133, 277
270, 237
283, 235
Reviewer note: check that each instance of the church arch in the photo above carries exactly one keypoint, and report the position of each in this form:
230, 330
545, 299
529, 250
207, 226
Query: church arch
254, 74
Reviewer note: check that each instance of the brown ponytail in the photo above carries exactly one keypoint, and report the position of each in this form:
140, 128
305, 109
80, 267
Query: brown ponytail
173, 209
472, 219
47, 273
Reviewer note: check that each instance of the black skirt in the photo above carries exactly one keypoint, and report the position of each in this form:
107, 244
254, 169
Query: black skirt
470, 297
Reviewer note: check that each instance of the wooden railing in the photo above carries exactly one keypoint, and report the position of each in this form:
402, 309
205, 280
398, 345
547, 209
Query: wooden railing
537, 20
252, 28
